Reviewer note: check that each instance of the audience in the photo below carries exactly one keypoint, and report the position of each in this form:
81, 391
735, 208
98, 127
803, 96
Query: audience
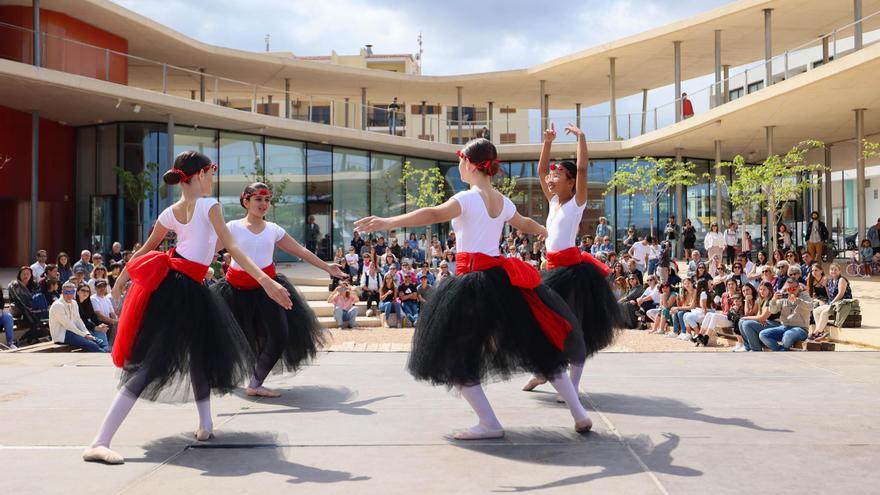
794, 318
67, 327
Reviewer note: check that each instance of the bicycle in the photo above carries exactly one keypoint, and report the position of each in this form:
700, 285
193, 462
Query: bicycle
856, 268
831, 252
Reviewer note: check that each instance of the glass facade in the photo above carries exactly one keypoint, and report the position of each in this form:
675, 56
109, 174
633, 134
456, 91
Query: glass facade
338, 185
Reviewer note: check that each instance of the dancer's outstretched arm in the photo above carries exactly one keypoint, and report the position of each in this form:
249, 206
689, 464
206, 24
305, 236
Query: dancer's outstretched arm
423, 216
544, 161
583, 160
527, 225
289, 245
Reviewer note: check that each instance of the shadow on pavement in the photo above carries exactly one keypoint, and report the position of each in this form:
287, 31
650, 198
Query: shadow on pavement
239, 454
541, 447
635, 405
315, 399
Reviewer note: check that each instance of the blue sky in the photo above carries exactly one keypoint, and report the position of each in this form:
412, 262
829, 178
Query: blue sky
459, 36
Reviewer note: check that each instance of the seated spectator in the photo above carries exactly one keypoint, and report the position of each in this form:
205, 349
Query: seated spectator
586, 243
425, 271
370, 288
126, 257
695, 261
756, 317
354, 263
705, 306
444, 272
344, 309
22, 296
436, 252
388, 301
838, 289
660, 315
738, 274
407, 273
8, 323
687, 301
794, 317
701, 273
389, 261
98, 273
617, 271
89, 317
619, 287
794, 271
65, 269
606, 246
817, 285
116, 270
450, 260
115, 254
79, 276
103, 305
674, 279
39, 266
650, 298
424, 290
67, 327
51, 290
209, 278
596, 247
409, 299
748, 266
628, 306
768, 276
51, 274
807, 262
98, 260
721, 318
633, 269
227, 262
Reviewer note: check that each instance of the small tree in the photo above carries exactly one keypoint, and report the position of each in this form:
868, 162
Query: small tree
429, 184
775, 181
651, 178
137, 187
258, 174
507, 187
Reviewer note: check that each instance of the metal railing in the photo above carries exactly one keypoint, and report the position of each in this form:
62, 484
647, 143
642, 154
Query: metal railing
523, 126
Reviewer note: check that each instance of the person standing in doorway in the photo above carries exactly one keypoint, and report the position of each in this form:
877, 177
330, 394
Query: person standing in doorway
393, 108
673, 233
313, 233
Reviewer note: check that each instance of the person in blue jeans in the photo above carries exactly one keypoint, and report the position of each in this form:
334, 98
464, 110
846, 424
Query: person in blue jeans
756, 318
6, 322
794, 316
409, 299
388, 301
67, 327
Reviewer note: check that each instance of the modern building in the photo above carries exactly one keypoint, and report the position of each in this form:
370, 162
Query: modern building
103, 89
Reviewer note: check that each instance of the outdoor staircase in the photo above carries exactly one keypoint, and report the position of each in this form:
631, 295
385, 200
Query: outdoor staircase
315, 291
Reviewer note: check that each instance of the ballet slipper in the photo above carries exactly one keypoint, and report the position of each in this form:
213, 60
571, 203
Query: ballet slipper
262, 392
478, 432
583, 426
103, 454
203, 435
559, 399
534, 382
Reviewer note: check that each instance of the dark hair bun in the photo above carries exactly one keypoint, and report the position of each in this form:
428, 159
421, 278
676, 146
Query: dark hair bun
171, 177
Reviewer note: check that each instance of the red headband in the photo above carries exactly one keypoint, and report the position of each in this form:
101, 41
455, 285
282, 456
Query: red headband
186, 178
487, 166
258, 192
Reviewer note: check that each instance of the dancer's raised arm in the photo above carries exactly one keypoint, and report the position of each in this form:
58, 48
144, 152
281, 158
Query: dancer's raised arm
544, 161
527, 225
583, 160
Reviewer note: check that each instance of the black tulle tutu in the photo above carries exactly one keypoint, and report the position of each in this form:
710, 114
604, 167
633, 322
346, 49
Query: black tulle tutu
187, 332
298, 329
477, 327
592, 301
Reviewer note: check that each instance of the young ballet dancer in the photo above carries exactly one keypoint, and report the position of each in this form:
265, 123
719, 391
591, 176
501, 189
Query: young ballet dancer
494, 317
576, 276
272, 332
174, 332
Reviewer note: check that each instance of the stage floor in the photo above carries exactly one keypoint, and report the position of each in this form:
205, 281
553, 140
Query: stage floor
357, 423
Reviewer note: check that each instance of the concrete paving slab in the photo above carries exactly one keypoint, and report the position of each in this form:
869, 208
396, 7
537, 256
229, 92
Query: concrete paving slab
357, 423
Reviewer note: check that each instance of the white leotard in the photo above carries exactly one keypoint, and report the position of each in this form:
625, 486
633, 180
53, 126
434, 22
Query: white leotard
475, 230
563, 223
196, 239
259, 247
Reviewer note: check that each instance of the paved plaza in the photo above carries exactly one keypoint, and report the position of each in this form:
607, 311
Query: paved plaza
357, 423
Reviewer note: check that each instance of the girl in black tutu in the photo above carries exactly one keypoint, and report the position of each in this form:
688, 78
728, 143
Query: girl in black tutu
174, 332
494, 317
576, 276
273, 333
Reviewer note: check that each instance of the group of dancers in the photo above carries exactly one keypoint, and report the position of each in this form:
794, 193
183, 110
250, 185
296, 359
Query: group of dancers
495, 318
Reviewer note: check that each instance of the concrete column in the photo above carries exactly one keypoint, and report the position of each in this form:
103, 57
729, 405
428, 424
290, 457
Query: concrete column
363, 109
857, 28
725, 91
612, 84
422, 111
35, 180
677, 76
769, 138
287, 101
718, 98
771, 221
679, 194
490, 118
577, 115
644, 110
717, 187
458, 112
346, 113
768, 46
861, 201
826, 189
38, 40
201, 84
541, 103
547, 110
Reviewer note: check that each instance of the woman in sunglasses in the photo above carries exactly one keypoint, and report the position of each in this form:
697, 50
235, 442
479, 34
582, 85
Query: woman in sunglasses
273, 332
494, 317
577, 276
174, 333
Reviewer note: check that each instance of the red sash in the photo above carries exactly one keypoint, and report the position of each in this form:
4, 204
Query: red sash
574, 256
241, 280
146, 273
526, 278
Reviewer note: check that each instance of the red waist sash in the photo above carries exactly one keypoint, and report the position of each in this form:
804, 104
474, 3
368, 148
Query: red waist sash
574, 256
146, 273
240, 279
526, 278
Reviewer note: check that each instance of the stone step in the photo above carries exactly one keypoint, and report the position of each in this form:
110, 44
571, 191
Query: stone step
310, 281
362, 321
314, 293
323, 308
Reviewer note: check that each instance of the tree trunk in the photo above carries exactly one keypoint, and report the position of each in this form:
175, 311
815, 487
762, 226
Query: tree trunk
771, 223
140, 221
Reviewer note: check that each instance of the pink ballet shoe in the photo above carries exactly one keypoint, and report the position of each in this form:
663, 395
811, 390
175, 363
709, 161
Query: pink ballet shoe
583, 426
534, 382
102, 454
203, 435
478, 432
262, 392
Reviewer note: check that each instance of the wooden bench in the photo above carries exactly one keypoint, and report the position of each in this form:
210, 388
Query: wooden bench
728, 334
47, 347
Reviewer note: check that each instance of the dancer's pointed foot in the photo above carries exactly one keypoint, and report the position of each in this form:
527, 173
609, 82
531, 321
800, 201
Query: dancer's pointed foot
479, 432
100, 453
262, 392
534, 382
203, 435
583, 426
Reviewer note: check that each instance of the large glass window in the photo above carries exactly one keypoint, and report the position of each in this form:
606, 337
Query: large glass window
634, 211
386, 197
351, 191
413, 189
528, 196
140, 151
240, 164
319, 198
698, 202
285, 169
598, 176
